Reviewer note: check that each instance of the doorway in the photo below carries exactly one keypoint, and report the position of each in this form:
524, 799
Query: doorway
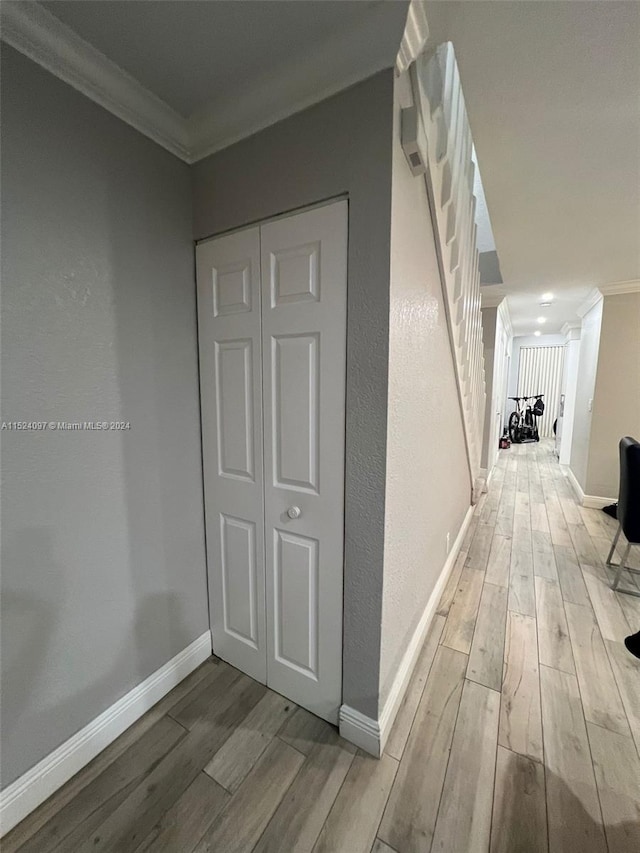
540, 372
272, 304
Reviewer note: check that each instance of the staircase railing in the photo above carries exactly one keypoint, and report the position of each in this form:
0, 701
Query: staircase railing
450, 180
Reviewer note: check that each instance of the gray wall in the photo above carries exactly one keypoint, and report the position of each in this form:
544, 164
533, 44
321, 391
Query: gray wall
616, 404
342, 145
103, 560
587, 366
428, 488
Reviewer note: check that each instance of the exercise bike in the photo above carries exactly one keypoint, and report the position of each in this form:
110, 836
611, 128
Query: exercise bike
523, 423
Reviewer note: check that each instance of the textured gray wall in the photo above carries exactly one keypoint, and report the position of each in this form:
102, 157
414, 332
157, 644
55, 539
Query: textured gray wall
342, 145
428, 488
103, 566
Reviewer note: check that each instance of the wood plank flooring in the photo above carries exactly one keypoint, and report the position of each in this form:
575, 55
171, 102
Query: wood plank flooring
519, 732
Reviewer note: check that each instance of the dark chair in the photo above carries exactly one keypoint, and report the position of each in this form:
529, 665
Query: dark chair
628, 508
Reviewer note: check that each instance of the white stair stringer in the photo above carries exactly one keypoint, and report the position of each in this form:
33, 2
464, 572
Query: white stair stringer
448, 153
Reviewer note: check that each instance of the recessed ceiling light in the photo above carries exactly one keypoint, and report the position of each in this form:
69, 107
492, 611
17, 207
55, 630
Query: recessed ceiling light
542, 319
547, 297
537, 334
545, 304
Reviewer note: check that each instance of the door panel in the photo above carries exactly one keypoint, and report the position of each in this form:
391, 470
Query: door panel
228, 274
239, 578
296, 595
234, 408
295, 427
304, 293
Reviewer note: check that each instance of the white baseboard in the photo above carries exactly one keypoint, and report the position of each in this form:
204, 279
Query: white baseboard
596, 502
490, 475
25, 794
588, 501
371, 734
359, 729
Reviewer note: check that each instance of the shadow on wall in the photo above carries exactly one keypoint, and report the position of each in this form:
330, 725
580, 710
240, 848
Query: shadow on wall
520, 812
35, 621
153, 291
104, 576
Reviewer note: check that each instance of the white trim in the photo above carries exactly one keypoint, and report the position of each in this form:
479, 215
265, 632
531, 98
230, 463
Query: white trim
370, 734
592, 299
37, 33
44, 38
597, 502
361, 730
505, 314
491, 300
618, 287
414, 38
571, 331
575, 485
410, 658
587, 501
25, 794
288, 89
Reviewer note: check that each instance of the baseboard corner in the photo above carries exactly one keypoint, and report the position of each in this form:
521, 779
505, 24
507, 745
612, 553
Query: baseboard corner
362, 731
587, 501
31, 789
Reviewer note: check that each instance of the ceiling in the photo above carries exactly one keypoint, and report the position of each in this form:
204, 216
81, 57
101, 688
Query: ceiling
195, 54
553, 96
552, 93
214, 72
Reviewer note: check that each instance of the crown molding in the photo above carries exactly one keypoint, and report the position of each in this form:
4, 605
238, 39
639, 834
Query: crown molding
505, 314
594, 297
38, 34
290, 87
416, 33
619, 287
571, 331
492, 300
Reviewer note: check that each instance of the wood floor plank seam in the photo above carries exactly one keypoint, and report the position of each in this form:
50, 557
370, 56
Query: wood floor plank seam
634, 726
582, 706
502, 735
446, 770
182, 726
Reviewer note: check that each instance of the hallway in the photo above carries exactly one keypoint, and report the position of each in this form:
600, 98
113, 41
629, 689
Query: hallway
519, 732
550, 764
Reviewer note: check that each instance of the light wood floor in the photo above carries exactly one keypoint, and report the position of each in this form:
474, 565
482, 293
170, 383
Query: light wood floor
519, 732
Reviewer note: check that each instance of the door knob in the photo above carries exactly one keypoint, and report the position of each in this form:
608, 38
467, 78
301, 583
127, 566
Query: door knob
294, 512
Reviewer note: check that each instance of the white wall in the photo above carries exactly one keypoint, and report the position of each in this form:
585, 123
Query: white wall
489, 322
587, 367
569, 389
616, 405
428, 484
497, 359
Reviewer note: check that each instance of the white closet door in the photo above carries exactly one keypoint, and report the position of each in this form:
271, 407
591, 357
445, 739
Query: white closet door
304, 301
228, 275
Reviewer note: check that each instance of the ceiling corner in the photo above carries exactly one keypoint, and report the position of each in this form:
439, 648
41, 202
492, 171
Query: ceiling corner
39, 35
